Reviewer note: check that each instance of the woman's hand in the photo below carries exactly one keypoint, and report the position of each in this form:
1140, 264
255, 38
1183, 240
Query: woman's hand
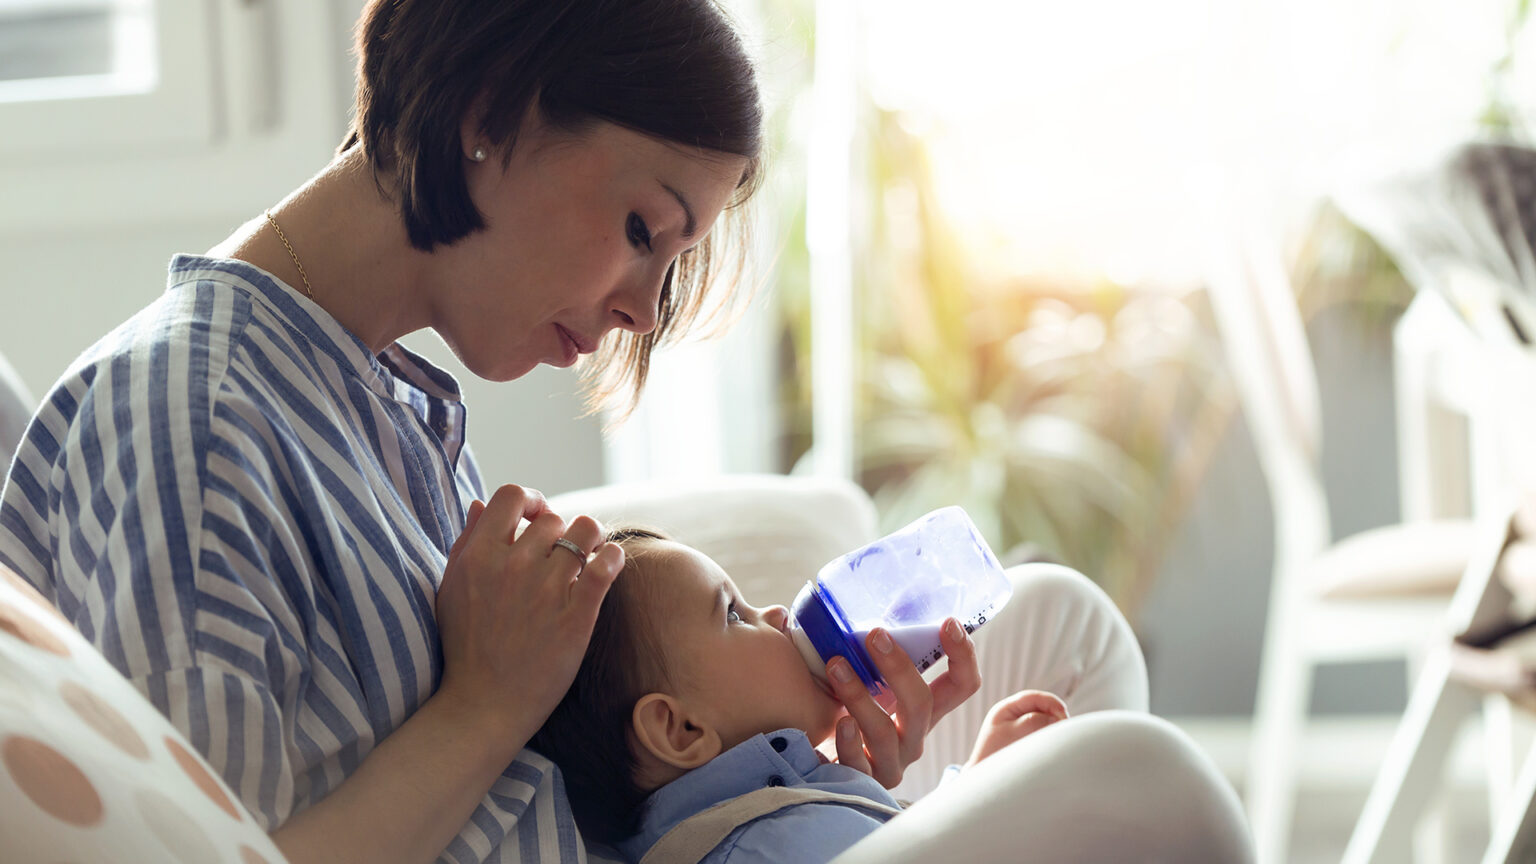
515, 616
1021, 714
883, 744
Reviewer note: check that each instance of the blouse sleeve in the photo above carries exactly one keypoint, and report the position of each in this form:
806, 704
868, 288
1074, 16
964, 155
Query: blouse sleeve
146, 515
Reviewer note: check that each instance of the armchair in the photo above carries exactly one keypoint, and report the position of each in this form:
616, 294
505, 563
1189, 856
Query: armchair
87, 776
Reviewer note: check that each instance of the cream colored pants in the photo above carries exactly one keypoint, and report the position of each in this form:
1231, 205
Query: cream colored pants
1116, 785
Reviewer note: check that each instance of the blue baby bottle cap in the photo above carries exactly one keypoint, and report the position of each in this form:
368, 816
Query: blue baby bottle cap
822, 632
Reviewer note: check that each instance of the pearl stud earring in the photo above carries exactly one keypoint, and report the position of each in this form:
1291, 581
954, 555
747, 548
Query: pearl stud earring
478, 155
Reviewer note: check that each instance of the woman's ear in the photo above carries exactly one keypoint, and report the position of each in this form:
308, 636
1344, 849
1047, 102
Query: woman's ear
665, 729
472, 140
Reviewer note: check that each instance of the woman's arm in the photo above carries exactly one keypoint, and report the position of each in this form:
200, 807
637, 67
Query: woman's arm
410, 797
515, 618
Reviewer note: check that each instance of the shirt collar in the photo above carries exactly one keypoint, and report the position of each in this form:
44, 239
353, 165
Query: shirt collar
322, 330
782, 758
429, 391
418, 372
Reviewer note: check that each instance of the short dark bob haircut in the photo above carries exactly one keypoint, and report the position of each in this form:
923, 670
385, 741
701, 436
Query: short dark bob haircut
675, 70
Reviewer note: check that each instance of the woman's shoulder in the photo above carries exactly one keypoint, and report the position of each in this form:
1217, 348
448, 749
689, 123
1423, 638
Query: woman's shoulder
191, 324
163, 371
222, 330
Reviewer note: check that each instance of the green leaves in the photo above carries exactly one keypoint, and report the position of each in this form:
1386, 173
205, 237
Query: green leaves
1058, 415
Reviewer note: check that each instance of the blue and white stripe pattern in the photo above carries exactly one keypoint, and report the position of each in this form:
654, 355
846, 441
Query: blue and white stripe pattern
249, 514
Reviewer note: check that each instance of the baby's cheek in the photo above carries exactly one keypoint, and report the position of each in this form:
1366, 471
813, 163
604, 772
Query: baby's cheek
825, 714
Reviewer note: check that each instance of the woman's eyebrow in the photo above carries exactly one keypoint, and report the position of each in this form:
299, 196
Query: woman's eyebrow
690, 225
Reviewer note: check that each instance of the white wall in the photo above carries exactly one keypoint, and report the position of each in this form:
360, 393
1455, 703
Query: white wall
91, 214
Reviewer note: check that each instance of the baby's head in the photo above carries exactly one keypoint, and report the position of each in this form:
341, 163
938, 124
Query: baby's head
680, 669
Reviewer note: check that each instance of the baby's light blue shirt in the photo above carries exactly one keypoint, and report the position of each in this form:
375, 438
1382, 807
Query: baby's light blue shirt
805, 833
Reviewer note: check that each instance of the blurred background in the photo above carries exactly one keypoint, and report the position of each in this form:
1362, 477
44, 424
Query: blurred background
982, 267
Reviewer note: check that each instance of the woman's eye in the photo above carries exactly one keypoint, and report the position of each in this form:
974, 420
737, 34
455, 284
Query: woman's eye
639, 233
731, 615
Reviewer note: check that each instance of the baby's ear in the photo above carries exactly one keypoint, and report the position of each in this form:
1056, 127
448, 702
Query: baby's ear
666, 729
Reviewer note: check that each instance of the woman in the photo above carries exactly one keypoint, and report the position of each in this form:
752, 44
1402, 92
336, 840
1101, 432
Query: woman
249, 495
253, 499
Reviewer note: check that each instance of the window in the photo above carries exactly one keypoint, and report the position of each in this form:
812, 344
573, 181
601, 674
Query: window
132, 112
91, 77
58, 48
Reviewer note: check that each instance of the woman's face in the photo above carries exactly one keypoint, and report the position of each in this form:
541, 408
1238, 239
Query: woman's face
580, 231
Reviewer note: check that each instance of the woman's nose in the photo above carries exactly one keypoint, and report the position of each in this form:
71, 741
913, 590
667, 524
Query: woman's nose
637, 308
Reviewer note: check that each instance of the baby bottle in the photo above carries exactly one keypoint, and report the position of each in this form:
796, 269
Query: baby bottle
908, 582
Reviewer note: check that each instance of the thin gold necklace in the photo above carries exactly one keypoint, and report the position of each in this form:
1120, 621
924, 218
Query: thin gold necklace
308, 291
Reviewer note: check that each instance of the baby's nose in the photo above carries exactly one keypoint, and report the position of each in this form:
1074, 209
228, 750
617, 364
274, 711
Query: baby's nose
778, 616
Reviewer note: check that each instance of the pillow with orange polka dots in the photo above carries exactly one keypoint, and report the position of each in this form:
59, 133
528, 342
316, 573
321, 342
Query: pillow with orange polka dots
89, 770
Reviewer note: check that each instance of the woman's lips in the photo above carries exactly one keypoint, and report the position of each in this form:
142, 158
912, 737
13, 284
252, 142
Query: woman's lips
570, 349
583, 344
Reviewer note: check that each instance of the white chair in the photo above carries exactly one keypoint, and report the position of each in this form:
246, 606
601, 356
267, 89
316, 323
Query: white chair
1462, 227
1492, 660
1376, 595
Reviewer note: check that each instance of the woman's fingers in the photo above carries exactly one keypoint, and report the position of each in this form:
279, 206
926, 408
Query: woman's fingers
541, 533
470, 518
878, 730
510, 505
585, 532
850, 747
598, 576
913, 700
963, 677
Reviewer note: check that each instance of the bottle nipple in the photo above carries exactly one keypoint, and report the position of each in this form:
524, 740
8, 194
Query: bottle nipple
808, 653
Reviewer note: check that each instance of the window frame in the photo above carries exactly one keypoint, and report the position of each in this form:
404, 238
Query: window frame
100, 113
251, 97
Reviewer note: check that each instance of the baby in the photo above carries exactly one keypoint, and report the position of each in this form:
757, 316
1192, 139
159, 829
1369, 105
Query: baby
689, 698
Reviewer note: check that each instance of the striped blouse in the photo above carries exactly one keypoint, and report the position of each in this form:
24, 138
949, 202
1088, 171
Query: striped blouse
249, 513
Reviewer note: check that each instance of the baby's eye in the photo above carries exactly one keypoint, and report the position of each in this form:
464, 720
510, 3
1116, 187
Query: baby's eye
731, 615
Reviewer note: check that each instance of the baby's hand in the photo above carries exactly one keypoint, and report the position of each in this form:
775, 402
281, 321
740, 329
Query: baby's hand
1011, 719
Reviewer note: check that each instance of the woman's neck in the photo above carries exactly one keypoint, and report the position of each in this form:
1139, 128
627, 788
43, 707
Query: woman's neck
349, 237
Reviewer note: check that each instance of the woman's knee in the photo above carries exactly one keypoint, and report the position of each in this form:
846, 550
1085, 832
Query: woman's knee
1152, 785
1063, 613
1062, 588
1113, 786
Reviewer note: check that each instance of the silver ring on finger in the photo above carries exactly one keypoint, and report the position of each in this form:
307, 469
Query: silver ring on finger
566, 544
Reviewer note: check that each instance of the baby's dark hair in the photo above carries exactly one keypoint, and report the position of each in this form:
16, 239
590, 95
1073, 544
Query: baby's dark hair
589, 734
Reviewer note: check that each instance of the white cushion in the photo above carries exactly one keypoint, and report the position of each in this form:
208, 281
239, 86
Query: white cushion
89, 770
1409, 559
771, 533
